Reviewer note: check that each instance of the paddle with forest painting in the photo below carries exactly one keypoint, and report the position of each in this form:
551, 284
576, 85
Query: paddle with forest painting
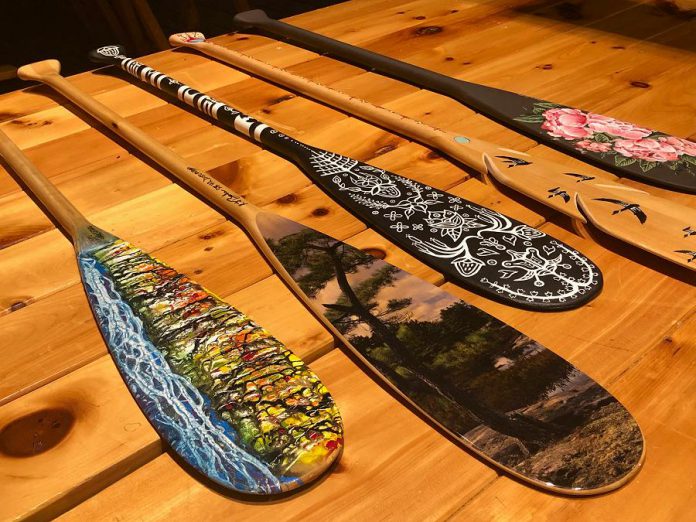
230, 399
496, 391
625, 148
479, 248
655, 225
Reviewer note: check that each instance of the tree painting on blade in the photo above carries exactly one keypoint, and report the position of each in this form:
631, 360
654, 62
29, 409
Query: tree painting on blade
508, 396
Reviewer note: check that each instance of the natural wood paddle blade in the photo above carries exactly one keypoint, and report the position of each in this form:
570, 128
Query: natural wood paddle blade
628, 149
227, 396
500, 393
653, 224
478, 248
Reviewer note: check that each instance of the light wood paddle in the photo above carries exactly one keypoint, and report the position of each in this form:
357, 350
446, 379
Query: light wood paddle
231, 400
653, 224
493, 389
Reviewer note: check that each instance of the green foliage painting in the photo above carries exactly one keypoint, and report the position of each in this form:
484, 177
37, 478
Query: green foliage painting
505, 394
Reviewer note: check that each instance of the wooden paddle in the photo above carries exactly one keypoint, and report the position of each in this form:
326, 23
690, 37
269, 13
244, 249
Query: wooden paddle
498, 392
475, 246
204, 374
651, 223
627, 149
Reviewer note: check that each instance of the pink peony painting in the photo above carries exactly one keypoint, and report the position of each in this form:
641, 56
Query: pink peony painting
603, 135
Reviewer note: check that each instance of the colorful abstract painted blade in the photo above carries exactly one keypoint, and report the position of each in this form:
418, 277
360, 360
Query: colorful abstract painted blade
228, 397
500, 393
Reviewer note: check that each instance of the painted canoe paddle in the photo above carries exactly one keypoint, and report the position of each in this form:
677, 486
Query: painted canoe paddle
493, 389
627, 149
230, 399
650, 223
479, 248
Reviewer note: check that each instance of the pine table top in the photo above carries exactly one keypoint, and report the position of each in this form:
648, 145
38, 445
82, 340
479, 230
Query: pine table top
94, 456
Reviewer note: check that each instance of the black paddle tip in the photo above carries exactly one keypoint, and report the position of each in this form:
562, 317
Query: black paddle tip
108, 54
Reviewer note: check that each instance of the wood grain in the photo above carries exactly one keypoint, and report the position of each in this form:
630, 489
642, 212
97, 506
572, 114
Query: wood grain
636, 338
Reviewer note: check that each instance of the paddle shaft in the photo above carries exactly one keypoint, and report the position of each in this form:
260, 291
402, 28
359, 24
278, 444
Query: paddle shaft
72, 221
228, 116
221, 196
381, 116
465, 92
436, 82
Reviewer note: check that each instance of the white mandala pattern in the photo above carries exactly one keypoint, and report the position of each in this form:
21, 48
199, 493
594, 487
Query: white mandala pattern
478, 244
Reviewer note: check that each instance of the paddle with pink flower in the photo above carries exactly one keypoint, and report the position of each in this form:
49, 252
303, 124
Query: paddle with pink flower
627, 149
624, 143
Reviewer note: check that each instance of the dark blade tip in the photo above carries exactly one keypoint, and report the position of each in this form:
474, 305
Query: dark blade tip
107, 54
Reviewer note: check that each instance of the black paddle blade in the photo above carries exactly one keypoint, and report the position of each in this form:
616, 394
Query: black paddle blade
477, 247
627, 149
231, 400
498, 392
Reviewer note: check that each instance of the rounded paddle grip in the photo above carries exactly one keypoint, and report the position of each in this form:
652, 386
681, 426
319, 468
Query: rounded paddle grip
38, 70
186, 38
108, 54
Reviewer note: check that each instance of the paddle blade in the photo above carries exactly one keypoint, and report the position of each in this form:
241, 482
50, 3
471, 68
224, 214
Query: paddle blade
500, 393
627, 149
653, 224
477, 247
228, 397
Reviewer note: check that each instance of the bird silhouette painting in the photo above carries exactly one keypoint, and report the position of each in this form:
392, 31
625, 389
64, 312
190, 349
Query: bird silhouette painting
691, 253
513, 162
581, 177
556, 191
633, 208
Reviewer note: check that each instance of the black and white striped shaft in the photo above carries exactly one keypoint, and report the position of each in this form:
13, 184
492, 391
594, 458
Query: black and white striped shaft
225, 114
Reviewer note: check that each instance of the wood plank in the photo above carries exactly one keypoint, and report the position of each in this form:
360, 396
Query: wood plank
104, 435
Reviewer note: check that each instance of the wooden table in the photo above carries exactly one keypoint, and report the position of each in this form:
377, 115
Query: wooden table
78, 443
